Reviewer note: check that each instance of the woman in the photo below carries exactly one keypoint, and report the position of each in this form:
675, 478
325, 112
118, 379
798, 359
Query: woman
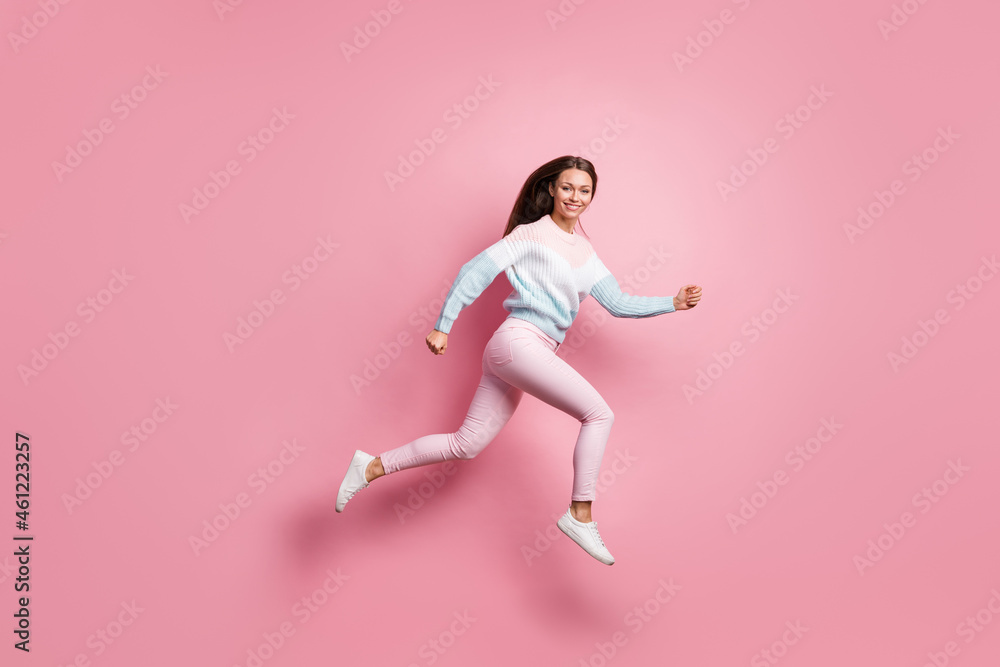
552, 269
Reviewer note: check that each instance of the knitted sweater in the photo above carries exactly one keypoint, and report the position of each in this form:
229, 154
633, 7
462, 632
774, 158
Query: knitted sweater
552, 271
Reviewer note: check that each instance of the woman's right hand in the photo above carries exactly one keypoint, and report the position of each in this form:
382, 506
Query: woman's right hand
437, 341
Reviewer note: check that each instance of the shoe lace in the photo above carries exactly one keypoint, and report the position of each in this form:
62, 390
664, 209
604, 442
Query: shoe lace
597, 535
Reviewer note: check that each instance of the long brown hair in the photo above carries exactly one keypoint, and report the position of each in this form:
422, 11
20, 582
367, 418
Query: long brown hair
534, 200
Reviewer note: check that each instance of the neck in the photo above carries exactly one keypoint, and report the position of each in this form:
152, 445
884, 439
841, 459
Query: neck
567, 224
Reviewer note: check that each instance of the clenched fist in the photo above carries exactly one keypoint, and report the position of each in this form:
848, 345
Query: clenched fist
437, 341
687, 298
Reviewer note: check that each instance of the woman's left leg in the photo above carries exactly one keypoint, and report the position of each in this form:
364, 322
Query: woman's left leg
530, 364
535, 368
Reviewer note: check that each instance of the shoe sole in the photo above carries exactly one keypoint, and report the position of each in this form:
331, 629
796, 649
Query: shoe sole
344, 482
563, 527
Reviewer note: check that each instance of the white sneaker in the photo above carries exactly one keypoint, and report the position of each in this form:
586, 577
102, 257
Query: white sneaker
586, 535
354, 480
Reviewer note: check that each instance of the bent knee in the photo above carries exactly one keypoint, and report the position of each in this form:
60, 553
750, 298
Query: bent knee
600, 413
468, 446
466, 454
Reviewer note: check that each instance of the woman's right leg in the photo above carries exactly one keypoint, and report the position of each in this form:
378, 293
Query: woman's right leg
491, 408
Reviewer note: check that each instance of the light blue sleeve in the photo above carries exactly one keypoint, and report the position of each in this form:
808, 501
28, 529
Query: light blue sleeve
622, 304
473, 278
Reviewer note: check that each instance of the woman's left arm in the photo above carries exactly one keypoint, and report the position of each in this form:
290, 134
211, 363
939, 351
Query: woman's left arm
622, 304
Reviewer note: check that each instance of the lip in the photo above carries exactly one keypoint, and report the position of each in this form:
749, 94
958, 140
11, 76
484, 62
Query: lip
571, 207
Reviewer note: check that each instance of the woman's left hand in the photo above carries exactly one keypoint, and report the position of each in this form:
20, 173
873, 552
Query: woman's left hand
687, 298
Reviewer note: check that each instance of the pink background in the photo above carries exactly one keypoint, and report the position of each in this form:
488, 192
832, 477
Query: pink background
603, 83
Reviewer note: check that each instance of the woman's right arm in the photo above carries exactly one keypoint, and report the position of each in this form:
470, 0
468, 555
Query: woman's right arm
473, 278
437, 341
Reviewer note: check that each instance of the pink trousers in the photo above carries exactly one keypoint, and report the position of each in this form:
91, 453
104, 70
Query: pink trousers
519, 358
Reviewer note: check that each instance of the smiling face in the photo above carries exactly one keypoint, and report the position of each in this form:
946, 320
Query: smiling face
572, 192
